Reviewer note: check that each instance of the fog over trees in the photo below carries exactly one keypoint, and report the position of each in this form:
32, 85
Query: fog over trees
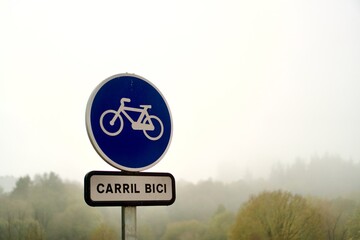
314, 199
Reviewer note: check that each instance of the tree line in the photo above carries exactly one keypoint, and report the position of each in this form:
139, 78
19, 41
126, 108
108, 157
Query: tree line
299, 201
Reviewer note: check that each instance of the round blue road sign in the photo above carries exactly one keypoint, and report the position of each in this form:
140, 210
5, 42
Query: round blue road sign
129, 122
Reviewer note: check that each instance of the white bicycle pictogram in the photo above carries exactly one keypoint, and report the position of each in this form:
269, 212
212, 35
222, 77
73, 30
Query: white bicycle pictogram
144, 122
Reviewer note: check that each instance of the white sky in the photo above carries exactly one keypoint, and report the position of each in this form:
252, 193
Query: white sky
249, 83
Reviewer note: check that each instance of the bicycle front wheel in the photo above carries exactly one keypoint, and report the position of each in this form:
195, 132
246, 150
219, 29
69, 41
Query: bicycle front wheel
111, 122
157, 132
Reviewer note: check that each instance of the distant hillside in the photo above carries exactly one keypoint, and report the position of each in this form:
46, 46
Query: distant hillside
325, 176
7, 183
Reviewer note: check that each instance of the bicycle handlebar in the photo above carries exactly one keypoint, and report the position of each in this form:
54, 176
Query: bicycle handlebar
123, 100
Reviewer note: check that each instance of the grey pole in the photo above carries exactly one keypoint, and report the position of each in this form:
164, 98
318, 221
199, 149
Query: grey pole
128, 223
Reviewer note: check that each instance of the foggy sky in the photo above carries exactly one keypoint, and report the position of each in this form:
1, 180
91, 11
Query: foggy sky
249, 84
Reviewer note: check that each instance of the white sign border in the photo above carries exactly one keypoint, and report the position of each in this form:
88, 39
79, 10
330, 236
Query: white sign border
91, 134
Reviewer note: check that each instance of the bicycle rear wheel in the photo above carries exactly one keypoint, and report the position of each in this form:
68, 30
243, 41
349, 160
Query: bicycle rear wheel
157, 132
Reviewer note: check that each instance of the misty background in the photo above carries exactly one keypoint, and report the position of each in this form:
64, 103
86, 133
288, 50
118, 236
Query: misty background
327, 187
250, 85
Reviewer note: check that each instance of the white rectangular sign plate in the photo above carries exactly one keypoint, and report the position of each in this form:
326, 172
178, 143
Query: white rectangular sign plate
104, 188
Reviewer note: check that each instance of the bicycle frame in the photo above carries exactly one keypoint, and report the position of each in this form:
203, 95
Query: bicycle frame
139, 124
144, 122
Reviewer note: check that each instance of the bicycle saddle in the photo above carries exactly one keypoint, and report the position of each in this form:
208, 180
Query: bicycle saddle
145, 106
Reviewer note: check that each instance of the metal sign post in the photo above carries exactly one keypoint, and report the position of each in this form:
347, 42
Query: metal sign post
128, 223
129, 124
